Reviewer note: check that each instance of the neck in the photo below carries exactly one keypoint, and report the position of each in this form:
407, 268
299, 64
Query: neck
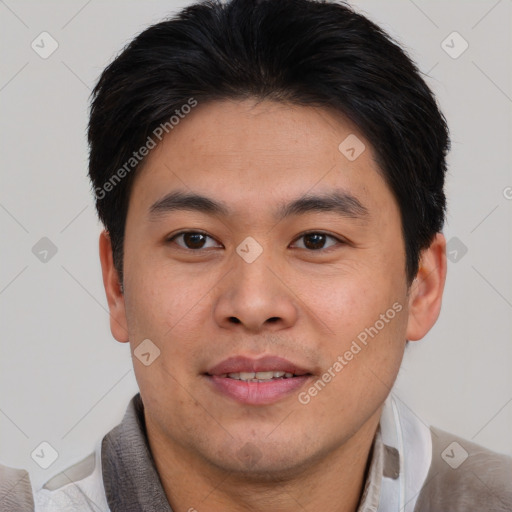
332, 483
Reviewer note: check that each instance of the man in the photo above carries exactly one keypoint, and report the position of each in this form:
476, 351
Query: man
270, 176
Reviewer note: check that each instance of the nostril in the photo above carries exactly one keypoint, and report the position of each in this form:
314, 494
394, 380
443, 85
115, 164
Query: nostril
234, 320
273, 320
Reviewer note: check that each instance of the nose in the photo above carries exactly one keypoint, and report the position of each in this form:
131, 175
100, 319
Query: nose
255, 297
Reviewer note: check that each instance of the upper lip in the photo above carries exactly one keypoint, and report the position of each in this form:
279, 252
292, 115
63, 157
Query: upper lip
239, 364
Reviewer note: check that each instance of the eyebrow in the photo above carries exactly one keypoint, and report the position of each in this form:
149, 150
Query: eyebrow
339, 202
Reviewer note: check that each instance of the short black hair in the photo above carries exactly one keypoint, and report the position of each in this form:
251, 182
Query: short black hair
303, 52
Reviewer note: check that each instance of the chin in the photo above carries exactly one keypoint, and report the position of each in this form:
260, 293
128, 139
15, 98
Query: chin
261, 461
263, 471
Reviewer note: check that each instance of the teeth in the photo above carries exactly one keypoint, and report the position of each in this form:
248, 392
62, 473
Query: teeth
259, 376
264, 375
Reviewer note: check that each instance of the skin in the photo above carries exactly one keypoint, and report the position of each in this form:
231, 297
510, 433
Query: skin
306, 305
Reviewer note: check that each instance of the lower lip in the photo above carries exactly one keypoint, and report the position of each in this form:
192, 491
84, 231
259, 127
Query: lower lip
257, 393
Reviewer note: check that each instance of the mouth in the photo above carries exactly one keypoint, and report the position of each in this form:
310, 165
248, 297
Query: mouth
257, 381
259, 376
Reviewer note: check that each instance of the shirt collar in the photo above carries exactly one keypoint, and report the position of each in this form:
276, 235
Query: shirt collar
132, 483
129, 474
371, 491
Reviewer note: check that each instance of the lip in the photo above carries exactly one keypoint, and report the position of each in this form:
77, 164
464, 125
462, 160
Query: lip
245, 364
256, 393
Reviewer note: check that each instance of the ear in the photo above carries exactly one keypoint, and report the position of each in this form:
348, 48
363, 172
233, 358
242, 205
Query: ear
426, 291
115, 297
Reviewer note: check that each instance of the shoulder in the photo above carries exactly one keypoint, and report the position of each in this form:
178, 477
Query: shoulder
464, 476
15, 490
78, 488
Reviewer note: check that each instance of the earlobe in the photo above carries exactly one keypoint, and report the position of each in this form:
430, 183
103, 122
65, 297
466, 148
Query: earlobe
113, 290
426, 292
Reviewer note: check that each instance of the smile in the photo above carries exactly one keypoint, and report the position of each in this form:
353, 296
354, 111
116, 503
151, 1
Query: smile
258, 376
257, 381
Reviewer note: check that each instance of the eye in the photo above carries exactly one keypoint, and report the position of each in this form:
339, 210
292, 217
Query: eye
315, 241
193, 240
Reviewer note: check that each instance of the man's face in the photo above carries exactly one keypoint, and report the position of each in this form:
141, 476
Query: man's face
306, 286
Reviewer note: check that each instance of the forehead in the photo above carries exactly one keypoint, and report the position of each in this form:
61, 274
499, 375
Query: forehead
258, 153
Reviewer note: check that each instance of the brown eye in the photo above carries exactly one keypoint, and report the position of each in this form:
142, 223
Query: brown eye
316, 241
193, 240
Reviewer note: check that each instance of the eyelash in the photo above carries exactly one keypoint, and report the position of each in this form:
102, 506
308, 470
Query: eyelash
302, 235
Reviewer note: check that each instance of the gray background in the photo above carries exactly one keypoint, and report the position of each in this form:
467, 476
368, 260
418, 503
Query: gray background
64, 380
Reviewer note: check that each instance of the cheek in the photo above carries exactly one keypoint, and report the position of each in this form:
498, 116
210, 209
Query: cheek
160, 296
169, 307
345, 301
166, 308
364, 360
364, 317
